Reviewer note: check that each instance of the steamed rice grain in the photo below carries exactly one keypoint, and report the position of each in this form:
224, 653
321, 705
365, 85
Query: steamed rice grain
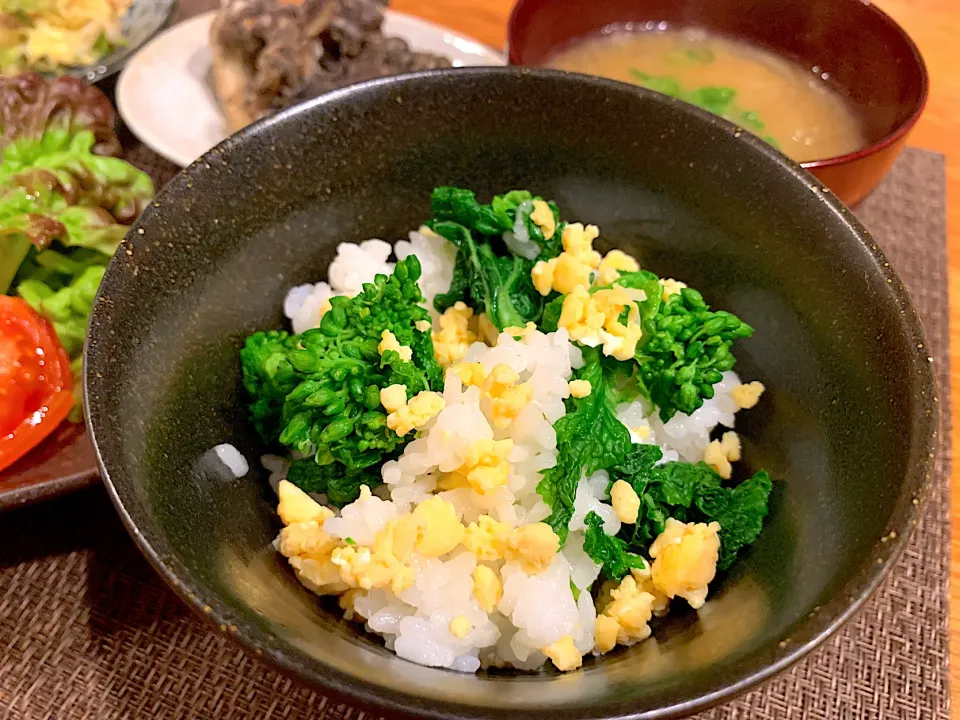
429, 612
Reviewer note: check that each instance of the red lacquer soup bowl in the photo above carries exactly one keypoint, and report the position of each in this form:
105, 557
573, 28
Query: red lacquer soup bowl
856, 47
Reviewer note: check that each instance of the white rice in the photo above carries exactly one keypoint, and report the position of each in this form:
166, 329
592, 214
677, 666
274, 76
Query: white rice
233, 459
683, 437
545, 362
535, 610
437, 258
356, 264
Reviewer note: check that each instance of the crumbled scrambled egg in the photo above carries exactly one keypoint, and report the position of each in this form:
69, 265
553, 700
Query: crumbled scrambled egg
578, 241
416, 413
487, 588
383, 563
393, 397
641, 431
347, 603
592, 319
719, 454
500, 387
455, 336
564, 654
580, 388
423, 325
606, 629
320, 576
644, 578
671, 287
470, 373
296, 506
685, 560
388, 341
306, 538
747, 395
572, 268
521, 333
329, 566
460, 626
487, 330
533, 547
581, 317
625, 501
486, 538
359, 569
397, 539
500, 378
631, 609
613, 263
485, 468
542, 215
595, 319
439, 529
325, 307
562, 273
304, 541
507, 397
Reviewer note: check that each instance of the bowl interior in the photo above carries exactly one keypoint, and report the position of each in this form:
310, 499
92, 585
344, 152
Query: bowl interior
846, 427
859, 50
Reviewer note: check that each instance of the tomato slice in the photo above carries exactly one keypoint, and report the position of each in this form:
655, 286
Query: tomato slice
35, 381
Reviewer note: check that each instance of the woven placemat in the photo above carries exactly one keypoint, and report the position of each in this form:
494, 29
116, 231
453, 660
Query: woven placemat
89, 631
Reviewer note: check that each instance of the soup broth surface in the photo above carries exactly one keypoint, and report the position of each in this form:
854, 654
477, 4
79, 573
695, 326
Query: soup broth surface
787, 105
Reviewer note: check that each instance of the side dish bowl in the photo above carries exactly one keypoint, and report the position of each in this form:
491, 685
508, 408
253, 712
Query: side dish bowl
141, 23
847, 428
861, 52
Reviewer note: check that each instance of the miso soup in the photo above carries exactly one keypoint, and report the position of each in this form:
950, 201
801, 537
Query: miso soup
791, 107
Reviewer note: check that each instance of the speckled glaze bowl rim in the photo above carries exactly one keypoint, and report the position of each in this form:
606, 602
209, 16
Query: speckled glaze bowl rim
895, 135
366, 692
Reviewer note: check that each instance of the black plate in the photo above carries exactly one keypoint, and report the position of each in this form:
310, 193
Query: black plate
847, 427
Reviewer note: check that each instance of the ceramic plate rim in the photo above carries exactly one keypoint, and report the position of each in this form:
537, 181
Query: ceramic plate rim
162, 144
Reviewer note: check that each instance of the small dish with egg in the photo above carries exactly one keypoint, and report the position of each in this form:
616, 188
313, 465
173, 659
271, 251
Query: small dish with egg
837, 86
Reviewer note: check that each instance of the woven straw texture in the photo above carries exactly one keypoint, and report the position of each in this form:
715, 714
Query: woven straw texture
89, 632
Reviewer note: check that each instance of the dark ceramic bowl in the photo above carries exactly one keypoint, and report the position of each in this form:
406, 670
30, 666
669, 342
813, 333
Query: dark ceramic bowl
863, 53
847, 427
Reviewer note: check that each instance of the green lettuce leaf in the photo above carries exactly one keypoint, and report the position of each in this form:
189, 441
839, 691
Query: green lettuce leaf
65, 203
68, 307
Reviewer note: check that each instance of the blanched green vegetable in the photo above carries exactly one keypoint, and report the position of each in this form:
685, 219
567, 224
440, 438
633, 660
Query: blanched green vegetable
319, 393
611, 552
497, 247
589, 438
740, 511
691, 492
498, 286
684, 351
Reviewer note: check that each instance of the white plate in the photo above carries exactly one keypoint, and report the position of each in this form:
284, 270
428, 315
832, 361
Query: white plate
165, 93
